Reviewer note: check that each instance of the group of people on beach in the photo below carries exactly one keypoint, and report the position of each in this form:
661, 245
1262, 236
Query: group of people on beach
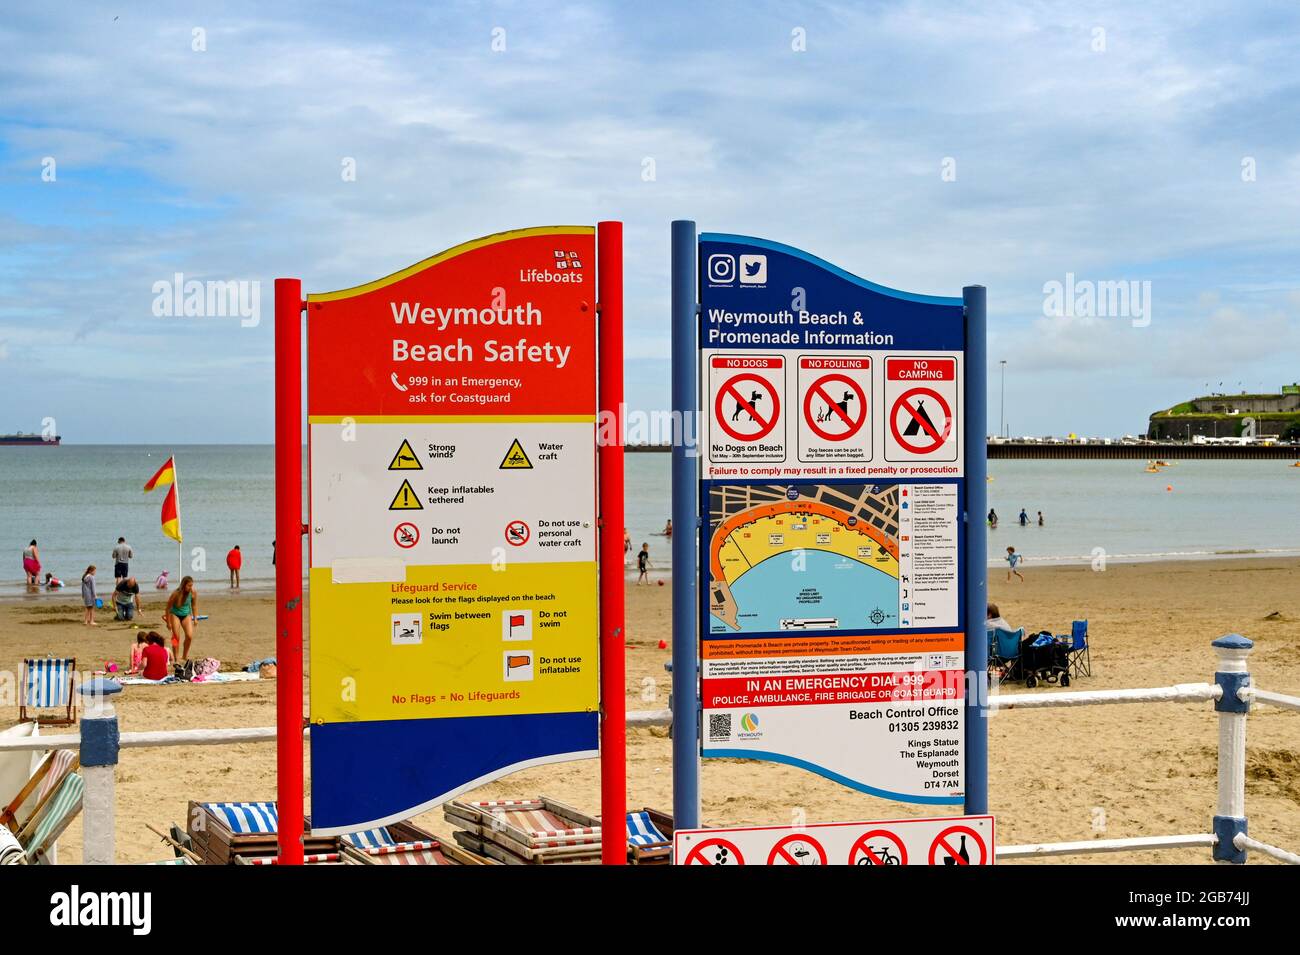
1013, 559
180, 613
1023, 520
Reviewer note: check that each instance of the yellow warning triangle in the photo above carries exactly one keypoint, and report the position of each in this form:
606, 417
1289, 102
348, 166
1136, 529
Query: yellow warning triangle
515, 457
406, 499
405, 459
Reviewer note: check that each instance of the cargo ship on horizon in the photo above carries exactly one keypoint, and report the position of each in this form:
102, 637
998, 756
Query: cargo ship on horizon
21, 440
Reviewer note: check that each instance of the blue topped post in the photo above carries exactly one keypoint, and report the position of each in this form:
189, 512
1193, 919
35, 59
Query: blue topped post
99, 748
977, 591
1232, 676
686, 753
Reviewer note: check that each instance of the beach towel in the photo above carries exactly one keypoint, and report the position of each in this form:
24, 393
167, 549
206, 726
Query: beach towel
238, 676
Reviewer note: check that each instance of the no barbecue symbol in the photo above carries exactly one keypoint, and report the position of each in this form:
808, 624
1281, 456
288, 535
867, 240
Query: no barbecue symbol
747, 407
920, 420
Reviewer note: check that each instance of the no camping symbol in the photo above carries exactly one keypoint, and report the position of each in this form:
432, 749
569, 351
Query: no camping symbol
921, 420
747, 407
835, 407
714, 852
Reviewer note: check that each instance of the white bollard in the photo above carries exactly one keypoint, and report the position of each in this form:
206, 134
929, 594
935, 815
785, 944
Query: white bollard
100, 741
1230, 813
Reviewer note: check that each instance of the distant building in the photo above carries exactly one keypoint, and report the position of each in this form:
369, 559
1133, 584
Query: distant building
1262, 416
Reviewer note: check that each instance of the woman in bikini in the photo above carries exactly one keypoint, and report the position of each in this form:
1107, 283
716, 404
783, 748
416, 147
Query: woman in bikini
182, 607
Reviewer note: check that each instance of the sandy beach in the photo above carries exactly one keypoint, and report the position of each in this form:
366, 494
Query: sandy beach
1055, 774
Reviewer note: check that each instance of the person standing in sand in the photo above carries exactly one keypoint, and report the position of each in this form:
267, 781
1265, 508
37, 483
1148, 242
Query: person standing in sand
643, 564
234, 561
88, 596
182, 607
32, 564
122, 555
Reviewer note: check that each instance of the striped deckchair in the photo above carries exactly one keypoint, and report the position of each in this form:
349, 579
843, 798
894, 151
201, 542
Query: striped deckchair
48, 684
641, 831
370, 839
404, 843
50, 773
42, 832
646, 842
245, 818
11, 850
310, 858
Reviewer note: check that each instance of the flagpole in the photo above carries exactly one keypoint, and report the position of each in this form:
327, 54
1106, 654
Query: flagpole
176, 483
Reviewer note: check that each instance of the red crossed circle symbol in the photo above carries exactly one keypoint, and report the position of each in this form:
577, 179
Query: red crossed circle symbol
852, 425
781, 855
406, 535
941, 842
517, 533
749, 409
936, 435
723, 856
879, 855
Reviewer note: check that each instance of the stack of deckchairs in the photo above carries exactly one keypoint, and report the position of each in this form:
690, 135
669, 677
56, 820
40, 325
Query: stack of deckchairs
220, 831
403, 843
45, 806
540, 831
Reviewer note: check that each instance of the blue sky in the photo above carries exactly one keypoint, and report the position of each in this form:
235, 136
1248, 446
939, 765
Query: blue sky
1118, 160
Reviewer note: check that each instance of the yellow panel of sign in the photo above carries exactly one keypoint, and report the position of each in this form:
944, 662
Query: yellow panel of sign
455, 640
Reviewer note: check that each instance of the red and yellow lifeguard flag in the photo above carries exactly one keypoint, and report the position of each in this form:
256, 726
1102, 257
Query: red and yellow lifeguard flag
166, 475
171, 509
171, 514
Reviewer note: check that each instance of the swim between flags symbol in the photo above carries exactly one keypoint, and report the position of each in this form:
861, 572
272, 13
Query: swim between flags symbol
919, 427
747, 407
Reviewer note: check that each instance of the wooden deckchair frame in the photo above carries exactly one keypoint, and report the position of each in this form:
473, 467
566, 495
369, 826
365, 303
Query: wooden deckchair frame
9, 815
70, 715
36, 853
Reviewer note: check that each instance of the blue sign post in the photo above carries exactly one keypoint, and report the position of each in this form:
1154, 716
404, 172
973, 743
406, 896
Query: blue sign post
839, 580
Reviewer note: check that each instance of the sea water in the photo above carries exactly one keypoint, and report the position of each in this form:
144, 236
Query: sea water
76, 500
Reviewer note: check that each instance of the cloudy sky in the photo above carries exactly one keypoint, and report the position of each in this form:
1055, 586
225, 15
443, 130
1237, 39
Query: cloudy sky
923, 146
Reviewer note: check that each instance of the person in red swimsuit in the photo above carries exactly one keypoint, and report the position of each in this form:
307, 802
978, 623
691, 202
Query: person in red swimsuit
156, 657
234, 561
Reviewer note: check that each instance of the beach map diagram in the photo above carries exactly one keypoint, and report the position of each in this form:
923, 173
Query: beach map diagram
803, 557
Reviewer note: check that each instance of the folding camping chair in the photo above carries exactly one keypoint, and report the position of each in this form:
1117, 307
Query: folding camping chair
1004, 653
42, 831
1080, 649
48, 684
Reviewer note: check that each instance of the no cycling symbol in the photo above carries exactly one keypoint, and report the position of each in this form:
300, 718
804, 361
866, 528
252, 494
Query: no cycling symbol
754, 401
872, 848
714, 852
921, 433
848, 411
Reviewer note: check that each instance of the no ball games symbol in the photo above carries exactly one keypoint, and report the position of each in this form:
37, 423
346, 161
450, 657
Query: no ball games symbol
517, 533
714, 852
920, 420
406, 535
878, 847
958, 845
797, 849
835, 407
747, 407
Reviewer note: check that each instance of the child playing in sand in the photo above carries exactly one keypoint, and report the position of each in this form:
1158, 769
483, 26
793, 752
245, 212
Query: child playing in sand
137, 654
1012, 560
643, 564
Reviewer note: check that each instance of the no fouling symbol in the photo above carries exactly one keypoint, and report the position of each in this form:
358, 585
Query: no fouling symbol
920, 420
835, 407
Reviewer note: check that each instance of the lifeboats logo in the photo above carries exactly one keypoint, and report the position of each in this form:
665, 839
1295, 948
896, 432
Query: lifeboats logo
127, 909
565, 267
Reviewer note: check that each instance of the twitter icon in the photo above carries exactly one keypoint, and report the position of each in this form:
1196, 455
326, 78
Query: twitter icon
753, 270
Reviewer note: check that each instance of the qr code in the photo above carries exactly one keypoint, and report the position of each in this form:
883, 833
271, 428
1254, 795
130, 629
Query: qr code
719, 726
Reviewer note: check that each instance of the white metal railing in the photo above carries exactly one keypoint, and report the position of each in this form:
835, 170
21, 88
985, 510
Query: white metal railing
1232, 694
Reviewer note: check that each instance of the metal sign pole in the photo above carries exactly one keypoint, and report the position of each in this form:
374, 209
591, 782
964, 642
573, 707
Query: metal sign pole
977, 591
685, 481
288, 567
613, 727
